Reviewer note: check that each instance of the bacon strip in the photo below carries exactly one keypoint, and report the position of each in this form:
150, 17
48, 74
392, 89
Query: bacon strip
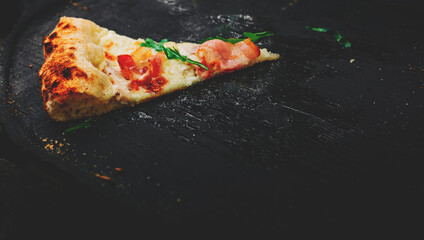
220, 56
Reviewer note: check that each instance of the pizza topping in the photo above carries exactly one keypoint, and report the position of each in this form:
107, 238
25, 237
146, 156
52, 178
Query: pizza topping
141, 54
145, 74
152, 44
109, 45
226, 55
110, 57
126, 63
171, 53
150, 84
155, 65
253, 37
220, 56
151, 81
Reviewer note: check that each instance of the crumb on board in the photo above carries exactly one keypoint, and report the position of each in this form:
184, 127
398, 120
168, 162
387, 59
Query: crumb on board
49, 146
55, 146
103, 177
75, 4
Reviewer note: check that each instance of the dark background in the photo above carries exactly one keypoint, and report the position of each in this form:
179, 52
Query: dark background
382, 197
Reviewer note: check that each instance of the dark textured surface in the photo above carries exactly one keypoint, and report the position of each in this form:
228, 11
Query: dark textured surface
326, 138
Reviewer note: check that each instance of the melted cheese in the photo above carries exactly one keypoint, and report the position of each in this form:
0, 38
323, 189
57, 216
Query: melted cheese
179, 74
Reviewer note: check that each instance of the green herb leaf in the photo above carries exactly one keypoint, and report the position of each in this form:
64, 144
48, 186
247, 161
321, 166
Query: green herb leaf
173, 53
230, 40
152, 44
317, 29
256, 36
253, 36
346, 44
85, 124
197, 63
170, 53
339, 38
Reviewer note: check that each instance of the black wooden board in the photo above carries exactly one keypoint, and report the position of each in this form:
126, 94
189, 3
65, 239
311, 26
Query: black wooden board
253, 147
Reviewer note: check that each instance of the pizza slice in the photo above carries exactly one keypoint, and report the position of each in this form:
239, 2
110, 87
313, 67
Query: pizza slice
90, 70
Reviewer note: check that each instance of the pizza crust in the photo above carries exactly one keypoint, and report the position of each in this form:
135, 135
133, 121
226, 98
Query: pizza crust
72, 85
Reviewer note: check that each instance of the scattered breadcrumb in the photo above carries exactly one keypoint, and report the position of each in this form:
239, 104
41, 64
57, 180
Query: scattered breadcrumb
75, 4
103, 177
56, 146
49, 146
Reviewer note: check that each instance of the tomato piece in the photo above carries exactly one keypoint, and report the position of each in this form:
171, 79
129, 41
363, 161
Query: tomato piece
126, 63
147, 77
155, 66
150, 84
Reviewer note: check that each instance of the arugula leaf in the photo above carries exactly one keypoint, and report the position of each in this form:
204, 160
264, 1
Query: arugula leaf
317, 29
170, 53
346, 44
339, 38
173, 53
152, 44
253, 36
231, 40
85, 124
256, 36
